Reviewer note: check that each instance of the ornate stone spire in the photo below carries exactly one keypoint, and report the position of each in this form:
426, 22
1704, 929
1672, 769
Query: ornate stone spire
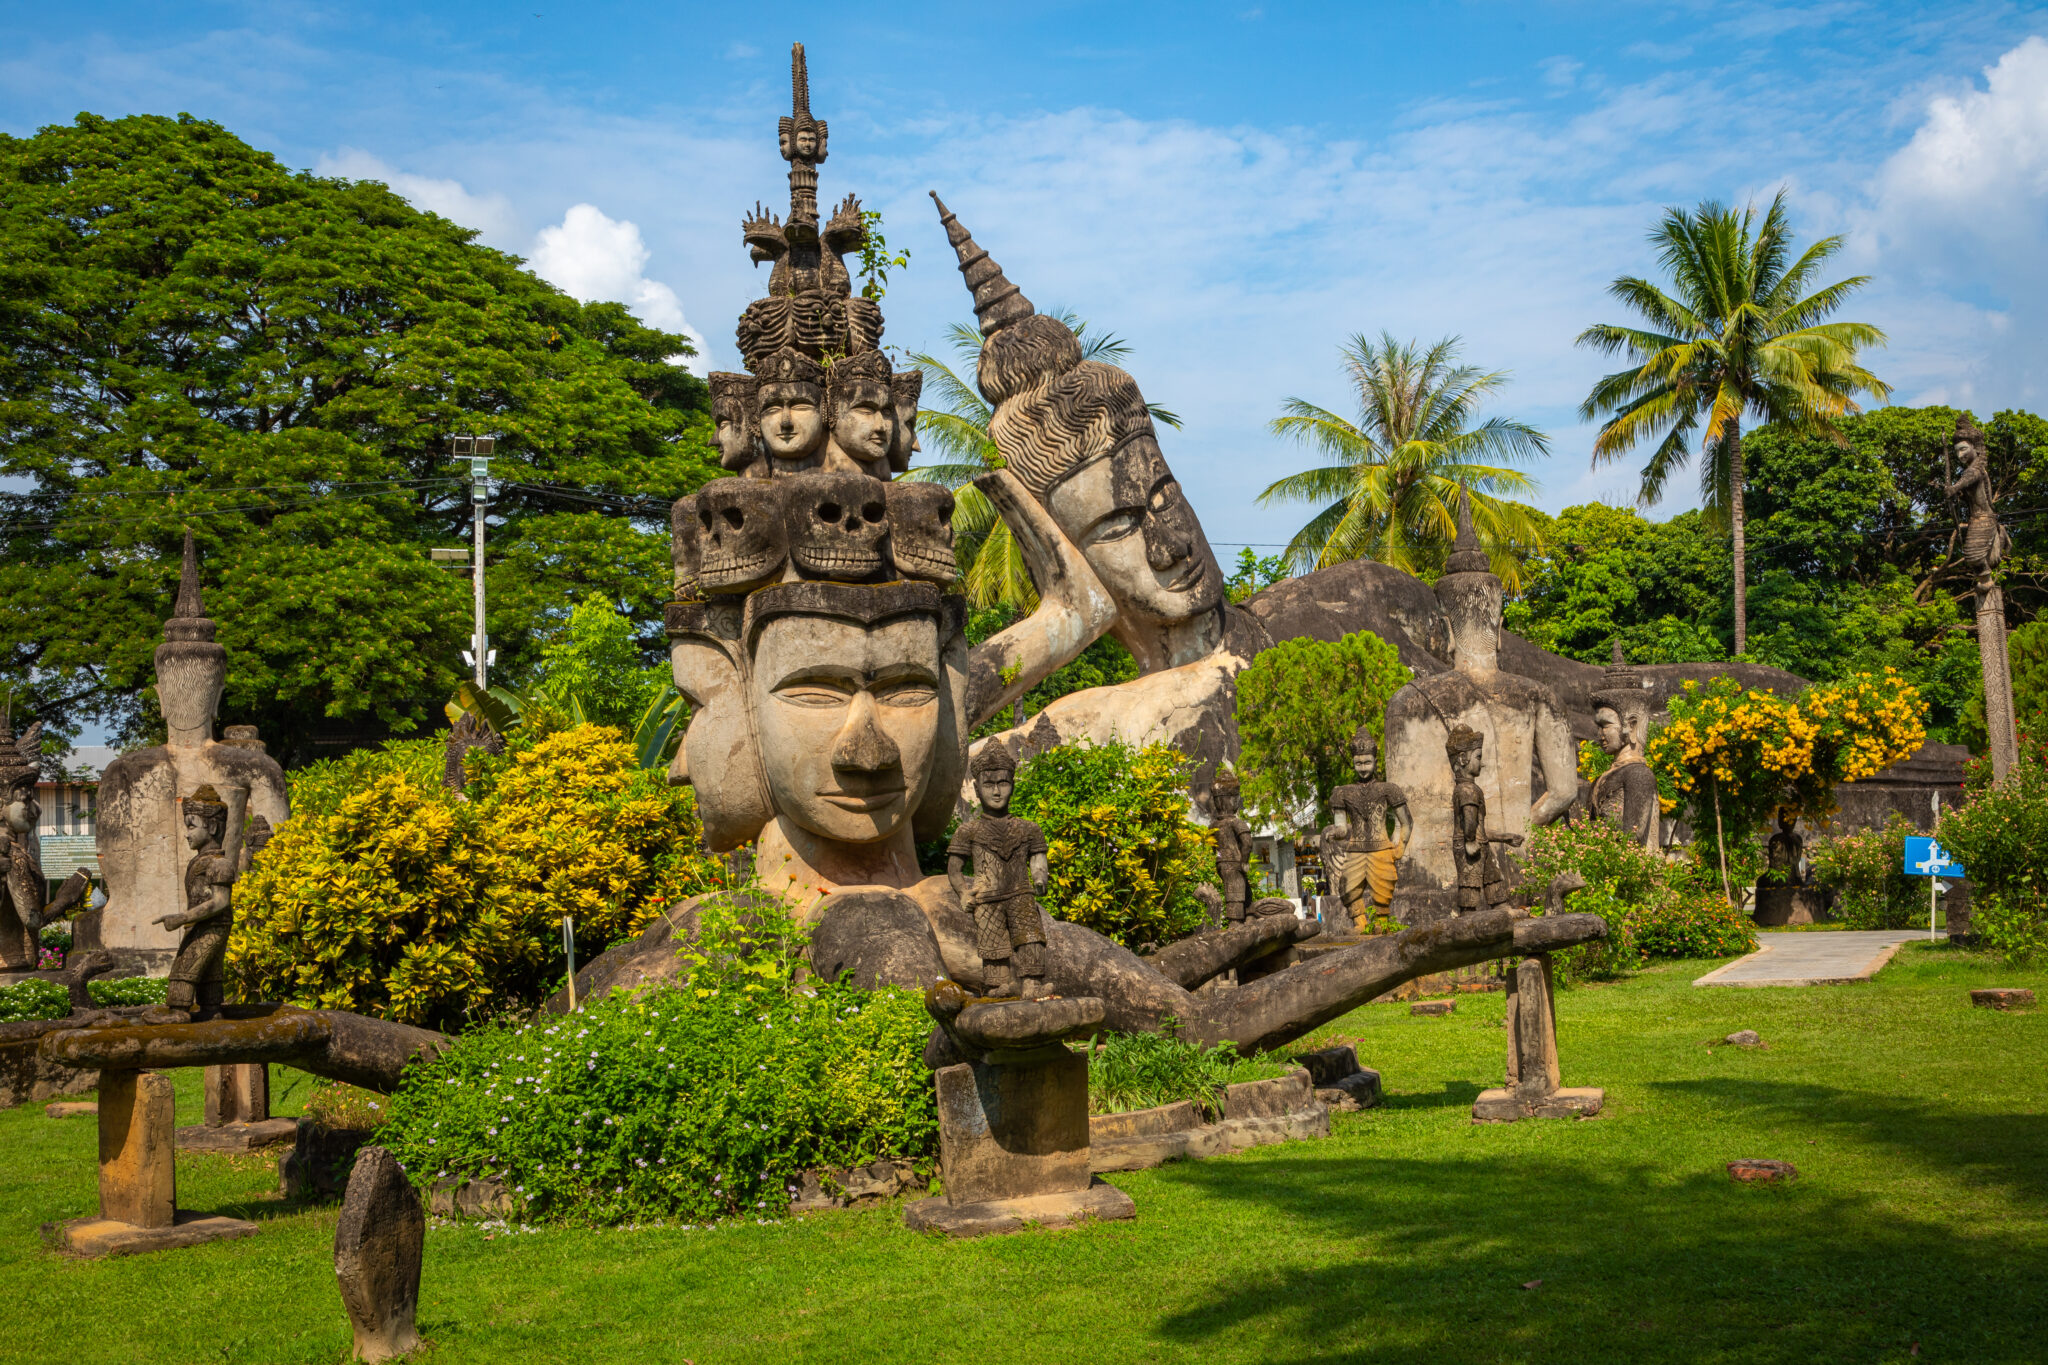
191, 669
997, 302
1466, 556
188, 618
803, 144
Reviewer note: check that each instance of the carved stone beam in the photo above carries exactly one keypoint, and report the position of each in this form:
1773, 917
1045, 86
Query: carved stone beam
371, 1053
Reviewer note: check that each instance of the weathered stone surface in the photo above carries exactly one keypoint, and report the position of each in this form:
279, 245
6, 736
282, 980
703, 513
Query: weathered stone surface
1098, 1200
461, 1197
2003, 998
239, 1093
1432, 1008
1359, 1090
1287, 1094
78, 1110
1236, 1135
236, 1136
93, 1238
1777, 906
878, 936
1180, 1116
1140, 1153
1533, 1072
1506, 1106
1327, 1066
318, 1165
378, 1246
26, 1075
1748, 1037
1190, 961
138, 1168
371, 1053
818, 1191
1757, 1171
1012, 1132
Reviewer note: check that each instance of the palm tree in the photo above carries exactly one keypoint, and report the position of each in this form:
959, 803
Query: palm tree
1390, 492
956, 427
1741, 337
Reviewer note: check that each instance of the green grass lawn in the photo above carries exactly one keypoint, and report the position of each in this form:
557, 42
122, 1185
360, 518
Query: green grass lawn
1917, 1230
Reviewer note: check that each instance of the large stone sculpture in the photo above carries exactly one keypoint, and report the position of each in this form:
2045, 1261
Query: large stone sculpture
1233, 844
1984, 545
1626, 794
22, 886
379, 1244
1522, 727
1009, 857
141, 829
1364, 861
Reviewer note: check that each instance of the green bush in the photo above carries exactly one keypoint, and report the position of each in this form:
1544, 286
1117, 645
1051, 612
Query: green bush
1141, 1070
39, 999
1125, 857
387, 894
56, 935
2001, 838
696, 1101
1654, 907
1866, 872
1298, 705
2016, 926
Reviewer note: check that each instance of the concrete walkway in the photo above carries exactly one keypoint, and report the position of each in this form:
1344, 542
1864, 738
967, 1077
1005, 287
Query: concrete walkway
1812, 959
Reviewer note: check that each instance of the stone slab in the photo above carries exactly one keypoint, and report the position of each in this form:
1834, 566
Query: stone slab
236, 1137
2003, 998
1824, 958
1012, 1132
1569, 1102
1177, 1117
1099, 1201
97, 1238
1263, 1099
1204, 1140
1426, 1009
1329, 1065
138, 1168
72, 1109
1359, 1090
1756, 1171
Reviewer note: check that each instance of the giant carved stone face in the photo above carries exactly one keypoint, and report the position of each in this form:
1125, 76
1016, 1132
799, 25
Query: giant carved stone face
849, 720
792, 420
1472, 605
864, 423
1613, 734
1130, 519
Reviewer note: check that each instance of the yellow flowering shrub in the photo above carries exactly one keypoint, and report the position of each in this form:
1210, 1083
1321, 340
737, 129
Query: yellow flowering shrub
386, 894
1729, 755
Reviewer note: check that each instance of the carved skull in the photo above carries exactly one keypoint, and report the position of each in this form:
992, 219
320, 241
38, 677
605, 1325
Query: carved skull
837, 521
741, 544
921, 531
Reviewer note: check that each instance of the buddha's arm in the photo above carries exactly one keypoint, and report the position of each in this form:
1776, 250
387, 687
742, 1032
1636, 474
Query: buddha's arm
1557, 757
1074, 609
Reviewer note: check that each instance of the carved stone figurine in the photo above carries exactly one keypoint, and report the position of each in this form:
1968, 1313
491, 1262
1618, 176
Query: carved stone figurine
1486, 876
22, 888
1367, 861
1786, 849
1626, 794
213, 829
1008, 854
1984, 545
735, 407
1233, 844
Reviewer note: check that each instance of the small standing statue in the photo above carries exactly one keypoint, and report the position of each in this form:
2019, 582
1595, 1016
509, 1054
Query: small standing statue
1233, 844
1785, 851
213, 829
1009, 870
1365, 859
1485, 875
1626, 794
22, 888
1984, 545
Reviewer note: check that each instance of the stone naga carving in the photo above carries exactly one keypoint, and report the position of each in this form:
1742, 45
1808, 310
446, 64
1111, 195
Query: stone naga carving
1626, 794
1522, 727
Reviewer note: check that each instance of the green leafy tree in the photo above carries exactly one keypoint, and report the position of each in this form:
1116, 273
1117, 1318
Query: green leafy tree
192, 335
1298, 705
953, 419
1391, 490
1740, 337
1254, 574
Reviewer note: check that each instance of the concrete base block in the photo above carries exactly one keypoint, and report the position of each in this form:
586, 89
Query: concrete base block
996, 1216
1505, 1106
72, 1109
236, 1137
96, 1238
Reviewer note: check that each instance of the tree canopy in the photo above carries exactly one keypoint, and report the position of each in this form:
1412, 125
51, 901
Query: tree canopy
192, 335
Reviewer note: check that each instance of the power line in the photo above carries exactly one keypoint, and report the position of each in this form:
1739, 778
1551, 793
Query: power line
89, 519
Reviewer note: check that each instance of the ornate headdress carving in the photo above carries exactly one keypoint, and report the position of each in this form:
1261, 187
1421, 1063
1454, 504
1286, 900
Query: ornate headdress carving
21, 758
790, 366
871, 367
992, 757
1226, 780
1462, 739
206, 800
1625, 692
189, 620
1364, 741
1466, 556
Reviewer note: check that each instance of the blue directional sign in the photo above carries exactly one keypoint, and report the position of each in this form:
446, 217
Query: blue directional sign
1926, 858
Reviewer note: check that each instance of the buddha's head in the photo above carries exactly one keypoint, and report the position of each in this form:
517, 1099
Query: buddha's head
1078, 435
1471, 596
191, 668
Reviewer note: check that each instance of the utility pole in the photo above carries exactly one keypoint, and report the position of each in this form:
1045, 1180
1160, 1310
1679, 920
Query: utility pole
477, 450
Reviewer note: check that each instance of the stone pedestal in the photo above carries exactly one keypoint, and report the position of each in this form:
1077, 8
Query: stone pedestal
378, 1245
1013, 1147
1534, 1081
1781, 905
138, 1178
237, 1112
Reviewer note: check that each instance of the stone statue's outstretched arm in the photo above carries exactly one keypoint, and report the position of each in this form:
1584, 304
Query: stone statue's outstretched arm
1404, 822
1558, 758
1074, 609
956, 876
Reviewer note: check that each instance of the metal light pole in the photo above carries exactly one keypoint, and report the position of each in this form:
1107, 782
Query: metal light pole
477, 450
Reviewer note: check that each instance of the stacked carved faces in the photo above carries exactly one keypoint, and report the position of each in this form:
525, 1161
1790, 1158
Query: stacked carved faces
815, 634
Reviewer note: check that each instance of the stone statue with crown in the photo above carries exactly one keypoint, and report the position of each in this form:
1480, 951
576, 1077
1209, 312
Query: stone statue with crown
1626, 794
142, 843
1010, 869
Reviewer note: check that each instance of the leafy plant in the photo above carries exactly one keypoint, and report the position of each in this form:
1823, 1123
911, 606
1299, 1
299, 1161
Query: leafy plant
128, 990
2015, 926
1143, 1070
1125, 857
39, 999
1654, 907
1298, 705
1866, 872
2001, 837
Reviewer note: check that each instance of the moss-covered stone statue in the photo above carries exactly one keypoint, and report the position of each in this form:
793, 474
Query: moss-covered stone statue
1010, 869
1233, 845
1486, 876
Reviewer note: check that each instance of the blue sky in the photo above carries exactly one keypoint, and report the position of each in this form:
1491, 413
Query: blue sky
1235, 189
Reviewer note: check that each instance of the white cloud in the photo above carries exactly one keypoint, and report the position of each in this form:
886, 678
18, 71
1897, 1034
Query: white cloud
595, 257
1979, 162
490, 214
